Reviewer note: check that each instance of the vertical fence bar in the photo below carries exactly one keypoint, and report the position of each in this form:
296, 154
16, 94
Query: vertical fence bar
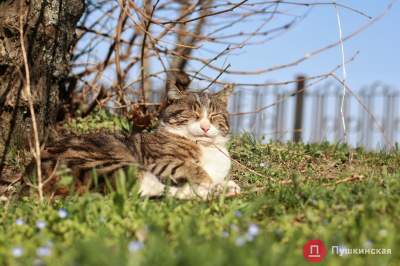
259, 125
252, 118
298, 112
316, 120
371, 125
238, 108
278, 114
396, 118
387, 115
234, 109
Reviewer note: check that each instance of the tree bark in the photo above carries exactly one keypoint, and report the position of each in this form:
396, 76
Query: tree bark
49, 27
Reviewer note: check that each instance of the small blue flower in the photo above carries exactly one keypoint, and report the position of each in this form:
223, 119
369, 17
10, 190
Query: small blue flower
134, 246
263, 164
41, 224
43, 251
253, 230
17, 252
19, 221
240, 241
238, 214
225, 234
62, 213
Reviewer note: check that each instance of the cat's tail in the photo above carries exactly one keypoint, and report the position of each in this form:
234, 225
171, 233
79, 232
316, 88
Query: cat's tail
104, 152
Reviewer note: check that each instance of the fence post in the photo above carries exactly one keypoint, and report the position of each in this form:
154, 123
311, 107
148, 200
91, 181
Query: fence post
298, 112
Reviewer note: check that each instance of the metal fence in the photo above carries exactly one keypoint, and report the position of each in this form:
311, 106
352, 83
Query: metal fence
372, 119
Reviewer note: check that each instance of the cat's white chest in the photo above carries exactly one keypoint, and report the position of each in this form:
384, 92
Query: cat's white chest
216, 162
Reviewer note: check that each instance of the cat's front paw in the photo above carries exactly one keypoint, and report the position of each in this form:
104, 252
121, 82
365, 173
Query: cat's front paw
205, 191
150, 186
229, 188
233, 188
189, 191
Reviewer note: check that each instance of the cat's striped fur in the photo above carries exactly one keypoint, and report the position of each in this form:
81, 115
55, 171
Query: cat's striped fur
188, 150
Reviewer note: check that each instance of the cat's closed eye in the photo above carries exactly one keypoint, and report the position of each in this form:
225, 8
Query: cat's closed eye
215, 116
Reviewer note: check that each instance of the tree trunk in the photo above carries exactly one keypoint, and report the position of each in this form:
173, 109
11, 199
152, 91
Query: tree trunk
49, 27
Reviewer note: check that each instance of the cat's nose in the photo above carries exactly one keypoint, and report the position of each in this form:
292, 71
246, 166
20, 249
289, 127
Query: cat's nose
205, 129
205, 125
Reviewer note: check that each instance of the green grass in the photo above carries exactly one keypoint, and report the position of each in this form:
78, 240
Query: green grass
328, 192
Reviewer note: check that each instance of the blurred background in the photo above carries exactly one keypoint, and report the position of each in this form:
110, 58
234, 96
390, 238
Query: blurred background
303, 71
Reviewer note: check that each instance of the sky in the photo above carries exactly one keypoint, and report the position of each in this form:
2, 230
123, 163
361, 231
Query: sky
378, 58
378, 46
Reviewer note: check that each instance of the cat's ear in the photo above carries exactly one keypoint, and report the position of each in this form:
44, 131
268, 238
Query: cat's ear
177, 83
223, 94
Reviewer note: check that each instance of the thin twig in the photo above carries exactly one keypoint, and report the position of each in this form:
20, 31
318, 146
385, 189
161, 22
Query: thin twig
36, 152
350, 179
217, 77
326, 3
206, 15
142, 64
344, 73
212, 59
53, 173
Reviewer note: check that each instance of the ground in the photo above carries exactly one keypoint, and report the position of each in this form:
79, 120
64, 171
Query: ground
292, 193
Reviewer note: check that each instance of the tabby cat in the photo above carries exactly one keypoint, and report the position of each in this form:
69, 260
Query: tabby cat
185, 157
